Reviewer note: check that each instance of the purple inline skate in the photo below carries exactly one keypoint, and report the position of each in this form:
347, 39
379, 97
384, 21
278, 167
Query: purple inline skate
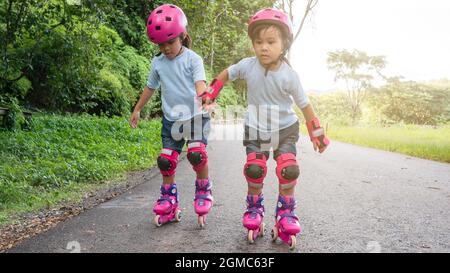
286, 222
203, 200
253, 217
166, 207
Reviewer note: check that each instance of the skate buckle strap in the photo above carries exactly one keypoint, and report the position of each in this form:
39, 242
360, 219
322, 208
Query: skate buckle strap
165, 198
255, 207
287, 214
204, 187
283, 205
255, 210
252, 203
203, 196
172, 191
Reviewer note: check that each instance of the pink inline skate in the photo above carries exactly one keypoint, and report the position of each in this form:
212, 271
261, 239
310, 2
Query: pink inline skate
166, 207
253, 217
203, 200
286, 222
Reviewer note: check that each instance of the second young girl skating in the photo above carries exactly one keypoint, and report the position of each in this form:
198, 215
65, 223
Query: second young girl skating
180, 73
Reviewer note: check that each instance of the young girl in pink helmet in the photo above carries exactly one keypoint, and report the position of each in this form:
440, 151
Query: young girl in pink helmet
272, 87
180, 73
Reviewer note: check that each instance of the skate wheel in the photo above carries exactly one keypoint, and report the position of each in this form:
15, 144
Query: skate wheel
156, 221
201, 221
293, 242
178, 216
274, 234
250, 236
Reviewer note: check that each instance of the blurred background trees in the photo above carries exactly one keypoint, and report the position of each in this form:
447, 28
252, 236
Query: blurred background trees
94, 56
83, 56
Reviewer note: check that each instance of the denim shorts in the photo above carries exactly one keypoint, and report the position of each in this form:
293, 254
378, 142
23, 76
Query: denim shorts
282, 141
175, 134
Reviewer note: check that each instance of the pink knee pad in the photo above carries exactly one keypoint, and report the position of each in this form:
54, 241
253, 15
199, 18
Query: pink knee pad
287, 170
197, 155
167, 161
255, 169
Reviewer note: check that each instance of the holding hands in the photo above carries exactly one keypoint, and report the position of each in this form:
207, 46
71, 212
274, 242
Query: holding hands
209, 96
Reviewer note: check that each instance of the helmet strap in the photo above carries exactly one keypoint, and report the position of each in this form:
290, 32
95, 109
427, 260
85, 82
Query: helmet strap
181, 48
179, 52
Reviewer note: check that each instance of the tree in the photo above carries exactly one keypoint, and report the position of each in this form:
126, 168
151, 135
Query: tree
288, 7
65, 56
219, 29
358, 70
23, 25
411, 103
94, 56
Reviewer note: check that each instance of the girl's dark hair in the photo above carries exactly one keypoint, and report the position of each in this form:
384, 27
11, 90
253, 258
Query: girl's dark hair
186, 40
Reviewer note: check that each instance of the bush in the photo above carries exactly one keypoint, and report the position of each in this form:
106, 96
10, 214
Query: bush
14, 120
411, 103
64, 57
334, 108
395, 103
107, 80
63, 151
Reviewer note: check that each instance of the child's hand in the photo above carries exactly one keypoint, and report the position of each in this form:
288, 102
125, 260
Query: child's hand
211, 92
210, 106
206, 104
134, 120
317, 135
320, 143
207, 101
319, 147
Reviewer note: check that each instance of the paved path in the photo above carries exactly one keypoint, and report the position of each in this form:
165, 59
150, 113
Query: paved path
351, 199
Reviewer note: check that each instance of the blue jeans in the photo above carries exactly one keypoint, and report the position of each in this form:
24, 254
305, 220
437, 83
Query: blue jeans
175, 134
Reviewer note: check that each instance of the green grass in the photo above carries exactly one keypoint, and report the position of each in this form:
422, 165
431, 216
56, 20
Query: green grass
63, 157
419, 141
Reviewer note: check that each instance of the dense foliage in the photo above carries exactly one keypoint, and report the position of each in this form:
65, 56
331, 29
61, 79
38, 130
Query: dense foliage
394, 103
94, 56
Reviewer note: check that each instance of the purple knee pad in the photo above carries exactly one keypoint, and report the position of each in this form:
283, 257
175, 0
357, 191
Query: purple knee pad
255, 169
197, 155
287, 170
167, 161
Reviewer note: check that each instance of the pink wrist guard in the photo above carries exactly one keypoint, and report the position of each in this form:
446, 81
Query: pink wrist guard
317, 133
213, 89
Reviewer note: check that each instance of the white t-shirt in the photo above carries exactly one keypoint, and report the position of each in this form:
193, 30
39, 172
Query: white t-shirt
177, 78
270, 97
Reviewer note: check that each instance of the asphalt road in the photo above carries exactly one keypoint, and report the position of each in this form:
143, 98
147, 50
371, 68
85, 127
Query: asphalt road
350, 199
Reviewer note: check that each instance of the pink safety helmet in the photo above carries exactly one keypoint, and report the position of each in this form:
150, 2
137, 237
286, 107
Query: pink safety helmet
272, 16
165, 23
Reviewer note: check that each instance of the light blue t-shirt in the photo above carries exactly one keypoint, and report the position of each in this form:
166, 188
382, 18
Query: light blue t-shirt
270, 98
177, 78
